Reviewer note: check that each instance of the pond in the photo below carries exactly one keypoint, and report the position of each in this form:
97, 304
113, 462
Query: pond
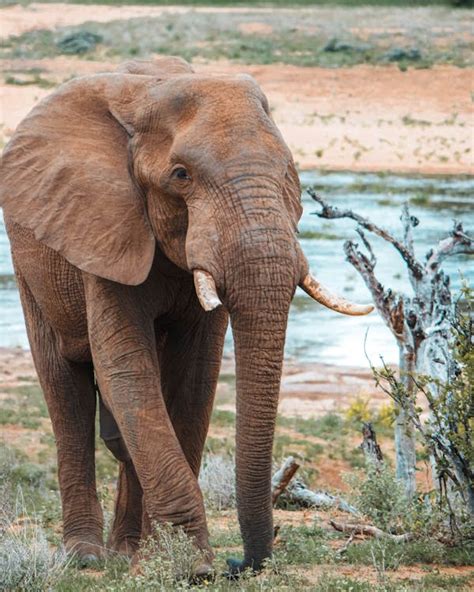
315, 333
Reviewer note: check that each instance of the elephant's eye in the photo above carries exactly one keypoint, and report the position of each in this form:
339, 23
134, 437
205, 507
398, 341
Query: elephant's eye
181, 173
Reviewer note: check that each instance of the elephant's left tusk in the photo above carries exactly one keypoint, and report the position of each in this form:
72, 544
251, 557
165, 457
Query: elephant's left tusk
206, 290
322, 295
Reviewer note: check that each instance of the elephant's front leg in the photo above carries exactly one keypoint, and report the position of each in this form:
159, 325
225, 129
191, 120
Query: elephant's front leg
124, 353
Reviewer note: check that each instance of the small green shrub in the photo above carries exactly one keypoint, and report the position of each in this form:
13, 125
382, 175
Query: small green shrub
380, 496
169, 560
304, 545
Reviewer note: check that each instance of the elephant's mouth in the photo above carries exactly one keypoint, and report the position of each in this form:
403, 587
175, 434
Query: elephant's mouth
207, 294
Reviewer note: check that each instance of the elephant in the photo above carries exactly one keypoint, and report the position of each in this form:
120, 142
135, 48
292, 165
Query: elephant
146, 208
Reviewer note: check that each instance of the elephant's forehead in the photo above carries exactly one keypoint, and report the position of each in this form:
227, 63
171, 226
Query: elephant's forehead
188, 91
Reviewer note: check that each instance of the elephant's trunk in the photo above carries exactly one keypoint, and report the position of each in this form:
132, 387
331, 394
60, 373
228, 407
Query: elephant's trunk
259, 338
259, 289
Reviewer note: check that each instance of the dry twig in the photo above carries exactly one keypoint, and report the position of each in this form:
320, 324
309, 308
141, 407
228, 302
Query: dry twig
369, 530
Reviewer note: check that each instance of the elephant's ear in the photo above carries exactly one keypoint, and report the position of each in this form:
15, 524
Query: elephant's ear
65, 175
292, 194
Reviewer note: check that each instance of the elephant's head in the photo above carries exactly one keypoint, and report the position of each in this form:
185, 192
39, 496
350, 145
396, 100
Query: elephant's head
112, 165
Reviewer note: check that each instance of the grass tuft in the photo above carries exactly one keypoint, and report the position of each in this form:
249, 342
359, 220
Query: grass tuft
27, 563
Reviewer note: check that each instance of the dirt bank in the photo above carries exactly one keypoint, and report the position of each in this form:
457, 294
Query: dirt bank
363, 118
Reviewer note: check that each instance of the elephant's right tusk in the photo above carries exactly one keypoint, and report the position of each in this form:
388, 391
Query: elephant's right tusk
322, 295
206, 290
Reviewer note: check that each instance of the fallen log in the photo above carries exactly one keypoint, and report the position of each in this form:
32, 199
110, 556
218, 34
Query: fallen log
298, 493
283, 476
369, 530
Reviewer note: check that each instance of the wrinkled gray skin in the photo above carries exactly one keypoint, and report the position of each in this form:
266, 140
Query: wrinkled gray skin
114, 189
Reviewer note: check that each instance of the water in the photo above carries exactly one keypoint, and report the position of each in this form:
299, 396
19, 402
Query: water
315, 333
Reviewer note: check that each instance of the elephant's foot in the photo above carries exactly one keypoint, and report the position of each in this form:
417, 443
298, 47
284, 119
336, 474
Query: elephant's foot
86, 551
123, 544
202, 572
236, 567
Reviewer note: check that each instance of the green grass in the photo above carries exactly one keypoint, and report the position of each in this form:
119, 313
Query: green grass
285, 445
298, 548
430, 583
223, 418
330, 426
304, 545
426, 551
25, 406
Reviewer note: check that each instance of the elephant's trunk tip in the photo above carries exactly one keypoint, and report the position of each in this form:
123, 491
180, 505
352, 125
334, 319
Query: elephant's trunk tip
322, 295
206, 290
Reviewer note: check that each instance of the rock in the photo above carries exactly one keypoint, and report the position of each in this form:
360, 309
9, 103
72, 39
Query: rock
78, 42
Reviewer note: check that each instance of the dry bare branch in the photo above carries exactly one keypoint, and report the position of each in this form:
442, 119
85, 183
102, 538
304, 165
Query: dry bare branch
346, 545
369, 530
457, 243
331, 212
408, 222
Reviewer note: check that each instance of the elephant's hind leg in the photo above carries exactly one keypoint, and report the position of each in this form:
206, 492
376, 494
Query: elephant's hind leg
68, 388
126, 529
190, 361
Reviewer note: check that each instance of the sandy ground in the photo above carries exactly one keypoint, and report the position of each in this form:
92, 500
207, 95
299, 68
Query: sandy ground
308, 390
361, 118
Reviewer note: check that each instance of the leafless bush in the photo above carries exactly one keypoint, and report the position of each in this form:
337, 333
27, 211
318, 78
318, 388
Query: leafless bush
217, 481
27, 562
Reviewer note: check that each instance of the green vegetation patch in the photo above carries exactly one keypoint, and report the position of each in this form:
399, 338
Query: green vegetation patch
25, 406
330, 426
304, 545
392, 554
293, 39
